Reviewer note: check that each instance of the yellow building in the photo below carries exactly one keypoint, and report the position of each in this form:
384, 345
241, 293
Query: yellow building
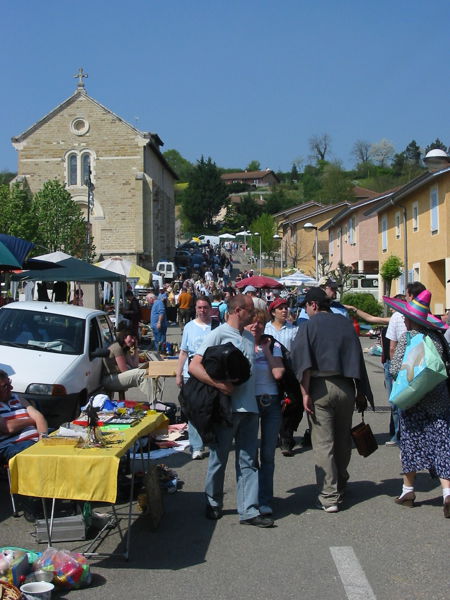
414, 224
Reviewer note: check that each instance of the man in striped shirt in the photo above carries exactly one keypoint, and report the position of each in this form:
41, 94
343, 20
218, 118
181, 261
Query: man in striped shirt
21, 425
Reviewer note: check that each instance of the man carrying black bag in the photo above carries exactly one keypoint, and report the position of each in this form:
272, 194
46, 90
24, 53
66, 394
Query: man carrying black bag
328, 361
244, 428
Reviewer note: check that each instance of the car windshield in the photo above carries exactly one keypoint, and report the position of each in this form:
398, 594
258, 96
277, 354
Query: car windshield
46, 332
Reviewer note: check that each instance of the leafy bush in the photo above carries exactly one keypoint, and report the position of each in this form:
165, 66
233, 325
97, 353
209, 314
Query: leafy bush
365, 302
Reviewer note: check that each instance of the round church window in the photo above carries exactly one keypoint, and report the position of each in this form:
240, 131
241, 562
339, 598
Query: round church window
79, 126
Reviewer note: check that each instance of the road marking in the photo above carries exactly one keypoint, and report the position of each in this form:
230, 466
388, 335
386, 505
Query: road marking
356, 584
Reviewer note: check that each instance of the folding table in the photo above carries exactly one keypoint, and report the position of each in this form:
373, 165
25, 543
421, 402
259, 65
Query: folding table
89, 474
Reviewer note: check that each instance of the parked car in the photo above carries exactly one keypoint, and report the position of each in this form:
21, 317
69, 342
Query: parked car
53, 354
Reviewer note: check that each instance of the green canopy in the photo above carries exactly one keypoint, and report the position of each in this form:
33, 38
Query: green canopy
69, 269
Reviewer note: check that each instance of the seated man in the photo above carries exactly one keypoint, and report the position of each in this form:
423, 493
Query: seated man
121, 367
21, 425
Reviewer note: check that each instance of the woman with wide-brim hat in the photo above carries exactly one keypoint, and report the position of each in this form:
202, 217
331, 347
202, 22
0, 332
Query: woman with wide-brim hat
425, 427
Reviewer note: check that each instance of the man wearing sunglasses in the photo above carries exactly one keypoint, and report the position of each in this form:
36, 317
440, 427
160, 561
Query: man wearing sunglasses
21, 425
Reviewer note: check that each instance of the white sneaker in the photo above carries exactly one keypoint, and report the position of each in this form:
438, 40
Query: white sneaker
330, 509
198, 455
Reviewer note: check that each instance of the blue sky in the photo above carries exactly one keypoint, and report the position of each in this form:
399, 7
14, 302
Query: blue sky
237, 80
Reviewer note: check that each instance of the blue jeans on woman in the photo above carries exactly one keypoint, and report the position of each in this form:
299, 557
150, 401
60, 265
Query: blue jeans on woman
270, 419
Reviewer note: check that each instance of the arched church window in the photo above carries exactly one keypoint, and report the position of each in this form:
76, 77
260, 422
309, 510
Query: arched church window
78, 167
72, 169
85, 167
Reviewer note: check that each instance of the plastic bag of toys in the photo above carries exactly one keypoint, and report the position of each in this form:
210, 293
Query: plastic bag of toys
70, 569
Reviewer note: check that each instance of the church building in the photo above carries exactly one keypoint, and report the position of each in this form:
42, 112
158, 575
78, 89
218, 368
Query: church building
116, 173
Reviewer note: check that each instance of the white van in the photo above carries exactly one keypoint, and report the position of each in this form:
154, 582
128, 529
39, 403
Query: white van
166, 269
368, 284
214, 240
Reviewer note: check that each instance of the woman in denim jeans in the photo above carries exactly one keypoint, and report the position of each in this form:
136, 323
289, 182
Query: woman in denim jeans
268, 369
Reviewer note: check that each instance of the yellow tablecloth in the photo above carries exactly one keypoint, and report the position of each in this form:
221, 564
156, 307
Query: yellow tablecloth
71, 473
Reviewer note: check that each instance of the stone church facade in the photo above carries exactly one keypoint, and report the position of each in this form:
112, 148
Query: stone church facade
132, 208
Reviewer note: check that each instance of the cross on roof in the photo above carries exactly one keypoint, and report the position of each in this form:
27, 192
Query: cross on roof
80, 76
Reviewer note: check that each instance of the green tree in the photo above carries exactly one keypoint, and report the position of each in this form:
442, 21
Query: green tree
16, 215
6, 177
205, 196
264, 225
365, 302
180, 165
278, 200
248, 209
413, 153
253, 165
294, 173
311, 181
336, 186
391, 269
60, 222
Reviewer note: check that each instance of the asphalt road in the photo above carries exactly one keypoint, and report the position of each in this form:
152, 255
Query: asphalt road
370, 549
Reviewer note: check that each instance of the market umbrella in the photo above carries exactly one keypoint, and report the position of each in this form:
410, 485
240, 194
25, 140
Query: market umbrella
259, 281
227, 236
7, 259
120, 265
297, 279
18, 247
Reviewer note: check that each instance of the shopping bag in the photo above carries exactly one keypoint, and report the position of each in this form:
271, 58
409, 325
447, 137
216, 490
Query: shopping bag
421, 371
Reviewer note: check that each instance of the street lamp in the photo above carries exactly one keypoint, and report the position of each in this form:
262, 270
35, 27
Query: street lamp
279, 237
310, 227
259, 235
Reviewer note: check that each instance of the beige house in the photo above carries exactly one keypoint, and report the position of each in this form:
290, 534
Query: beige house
414, 224
132, 212
298, 245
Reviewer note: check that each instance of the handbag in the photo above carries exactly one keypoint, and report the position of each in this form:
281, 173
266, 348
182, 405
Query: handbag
421, 371
365, 441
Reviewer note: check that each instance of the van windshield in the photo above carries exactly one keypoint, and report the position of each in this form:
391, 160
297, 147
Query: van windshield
46, 332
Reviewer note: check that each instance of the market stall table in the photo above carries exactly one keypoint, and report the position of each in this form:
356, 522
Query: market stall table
75, 473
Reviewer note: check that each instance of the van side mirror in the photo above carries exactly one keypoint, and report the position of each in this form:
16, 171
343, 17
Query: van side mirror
99, 353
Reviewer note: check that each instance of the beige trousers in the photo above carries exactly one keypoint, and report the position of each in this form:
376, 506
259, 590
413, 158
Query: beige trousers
334, 401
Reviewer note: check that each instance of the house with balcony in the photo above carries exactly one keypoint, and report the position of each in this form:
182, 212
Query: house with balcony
414, 224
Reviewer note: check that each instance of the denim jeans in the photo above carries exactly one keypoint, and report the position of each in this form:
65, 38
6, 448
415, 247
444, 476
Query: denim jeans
159, 335
195, 441
245, 433
394, 423
7, 451
270, 418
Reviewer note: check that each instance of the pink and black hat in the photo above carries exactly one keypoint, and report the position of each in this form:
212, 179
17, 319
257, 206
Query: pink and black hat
418, 310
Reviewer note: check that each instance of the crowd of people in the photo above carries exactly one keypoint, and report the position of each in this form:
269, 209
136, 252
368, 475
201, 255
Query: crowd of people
327, 358
317, 345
